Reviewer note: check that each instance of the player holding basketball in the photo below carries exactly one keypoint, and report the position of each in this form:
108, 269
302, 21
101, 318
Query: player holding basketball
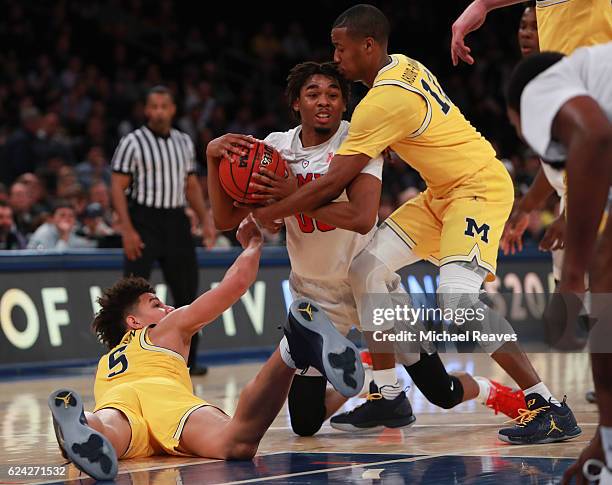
322, 245
562, 107
456, 223
144, 396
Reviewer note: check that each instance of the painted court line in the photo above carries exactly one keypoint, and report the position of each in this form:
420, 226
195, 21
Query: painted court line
349, 467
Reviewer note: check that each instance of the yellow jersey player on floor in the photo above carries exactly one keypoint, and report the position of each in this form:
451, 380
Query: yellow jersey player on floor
456, 223
145, 403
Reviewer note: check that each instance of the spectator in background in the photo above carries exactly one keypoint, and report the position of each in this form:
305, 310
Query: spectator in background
10, 238
99, 193
93, 226
37, 191
3, 193
20, 200
23, 148
60, 232
95, 167
295, 45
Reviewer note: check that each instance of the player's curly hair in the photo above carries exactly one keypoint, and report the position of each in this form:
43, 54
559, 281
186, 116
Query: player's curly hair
300, 73
116, 301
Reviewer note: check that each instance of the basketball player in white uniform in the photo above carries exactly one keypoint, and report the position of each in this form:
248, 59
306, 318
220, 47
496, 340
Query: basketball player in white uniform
562, 107
322, 245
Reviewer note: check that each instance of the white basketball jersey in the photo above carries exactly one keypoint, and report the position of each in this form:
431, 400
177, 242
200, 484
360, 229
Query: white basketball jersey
317, 250
587, 72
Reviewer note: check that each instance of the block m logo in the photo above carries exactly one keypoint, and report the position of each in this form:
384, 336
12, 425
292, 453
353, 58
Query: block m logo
483, 230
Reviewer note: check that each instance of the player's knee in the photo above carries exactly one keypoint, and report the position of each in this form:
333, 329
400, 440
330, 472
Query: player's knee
444, 396
306, 425
307, 404
367, 273
431, 378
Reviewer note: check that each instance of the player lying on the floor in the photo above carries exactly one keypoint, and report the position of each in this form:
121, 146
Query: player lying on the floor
322, 245
145, 403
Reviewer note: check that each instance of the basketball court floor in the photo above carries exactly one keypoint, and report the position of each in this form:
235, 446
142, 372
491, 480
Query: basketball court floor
443, 447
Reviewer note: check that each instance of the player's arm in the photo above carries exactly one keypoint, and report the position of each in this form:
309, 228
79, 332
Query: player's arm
382, 118
239, 277
342, 170
470, 20
225, 214
537, 194
359, 213
583, 128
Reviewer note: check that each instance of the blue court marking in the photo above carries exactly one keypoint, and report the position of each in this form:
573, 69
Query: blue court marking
365, 468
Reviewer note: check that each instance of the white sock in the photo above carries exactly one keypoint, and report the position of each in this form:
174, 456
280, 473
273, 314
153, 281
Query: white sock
387, 383
606, 440
283, 346
541, 389
484, 389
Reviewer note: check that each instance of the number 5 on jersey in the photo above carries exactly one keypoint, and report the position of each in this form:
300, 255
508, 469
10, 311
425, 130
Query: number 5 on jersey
117, 359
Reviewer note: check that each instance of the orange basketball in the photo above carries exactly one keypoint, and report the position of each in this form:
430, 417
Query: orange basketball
235, 174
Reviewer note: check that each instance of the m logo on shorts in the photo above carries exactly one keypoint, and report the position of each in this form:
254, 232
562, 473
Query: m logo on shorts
471, 226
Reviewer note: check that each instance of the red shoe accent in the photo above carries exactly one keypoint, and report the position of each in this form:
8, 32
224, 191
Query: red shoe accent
366, 358
506, 400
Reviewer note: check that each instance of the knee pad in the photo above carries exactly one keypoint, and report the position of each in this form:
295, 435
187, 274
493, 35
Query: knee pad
430, 377
307, 404
368, 274
461, 291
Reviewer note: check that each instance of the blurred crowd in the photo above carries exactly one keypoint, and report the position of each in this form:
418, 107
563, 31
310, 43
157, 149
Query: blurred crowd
73, 75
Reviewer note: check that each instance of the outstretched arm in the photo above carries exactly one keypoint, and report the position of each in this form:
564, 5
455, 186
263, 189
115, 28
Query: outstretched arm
239, 277
470, 20
583, 128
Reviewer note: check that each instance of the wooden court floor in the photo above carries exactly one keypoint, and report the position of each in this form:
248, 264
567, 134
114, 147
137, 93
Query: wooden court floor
454, 446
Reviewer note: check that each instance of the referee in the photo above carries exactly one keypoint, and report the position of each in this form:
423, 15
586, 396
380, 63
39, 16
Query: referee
154, 177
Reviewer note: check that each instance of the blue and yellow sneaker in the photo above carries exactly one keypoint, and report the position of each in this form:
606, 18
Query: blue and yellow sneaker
88, 450
314, 341
541, 422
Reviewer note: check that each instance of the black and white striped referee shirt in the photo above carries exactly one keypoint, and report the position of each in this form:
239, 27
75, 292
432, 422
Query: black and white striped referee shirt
159, 166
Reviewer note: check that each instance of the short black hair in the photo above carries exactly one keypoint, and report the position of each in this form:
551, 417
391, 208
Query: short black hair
159, 89
62, 204
364, 20
115, 303
300, 73
524, 72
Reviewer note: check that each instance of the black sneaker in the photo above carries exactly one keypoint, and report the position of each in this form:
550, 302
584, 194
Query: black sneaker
376, 412
89, 450
541, 422
314, 341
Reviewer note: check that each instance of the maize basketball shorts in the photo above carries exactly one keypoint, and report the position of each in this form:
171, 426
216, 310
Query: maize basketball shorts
157, 409
465, 224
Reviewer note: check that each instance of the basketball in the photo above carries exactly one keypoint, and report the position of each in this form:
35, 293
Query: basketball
235, 174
